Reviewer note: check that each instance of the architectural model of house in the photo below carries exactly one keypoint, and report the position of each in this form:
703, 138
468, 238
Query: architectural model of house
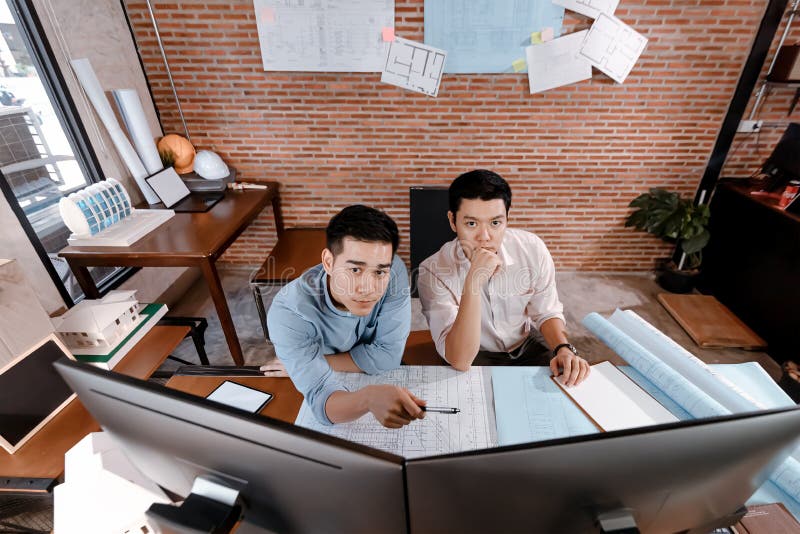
100, 323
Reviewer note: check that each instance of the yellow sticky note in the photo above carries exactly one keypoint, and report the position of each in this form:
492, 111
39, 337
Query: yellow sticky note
536, 38
519, 65
547, 34
387, 34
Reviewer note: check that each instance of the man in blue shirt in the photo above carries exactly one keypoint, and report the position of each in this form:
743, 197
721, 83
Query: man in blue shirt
351, 313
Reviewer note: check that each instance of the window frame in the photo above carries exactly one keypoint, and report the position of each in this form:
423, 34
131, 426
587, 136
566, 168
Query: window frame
30, 27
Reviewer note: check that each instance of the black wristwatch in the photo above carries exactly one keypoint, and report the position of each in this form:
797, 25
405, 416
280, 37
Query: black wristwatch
561, 346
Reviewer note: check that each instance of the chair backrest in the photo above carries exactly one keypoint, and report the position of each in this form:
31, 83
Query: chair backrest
429, 226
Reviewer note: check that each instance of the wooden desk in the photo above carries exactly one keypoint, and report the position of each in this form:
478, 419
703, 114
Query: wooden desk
43, 455
419, 350
186, 240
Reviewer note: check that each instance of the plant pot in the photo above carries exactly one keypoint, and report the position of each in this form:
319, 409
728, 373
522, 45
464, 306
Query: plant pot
677, 281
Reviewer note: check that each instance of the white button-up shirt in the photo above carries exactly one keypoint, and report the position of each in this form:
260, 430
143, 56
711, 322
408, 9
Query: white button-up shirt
521, 295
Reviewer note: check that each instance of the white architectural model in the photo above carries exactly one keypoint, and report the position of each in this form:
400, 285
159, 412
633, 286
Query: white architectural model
100, 323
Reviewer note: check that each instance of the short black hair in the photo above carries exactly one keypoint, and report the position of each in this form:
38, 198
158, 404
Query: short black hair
362, 223
480, 183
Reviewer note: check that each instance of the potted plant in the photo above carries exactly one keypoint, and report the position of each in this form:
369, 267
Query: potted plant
675, 220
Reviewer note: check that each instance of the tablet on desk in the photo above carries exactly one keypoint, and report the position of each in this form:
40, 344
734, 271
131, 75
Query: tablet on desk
173, 192
238, 396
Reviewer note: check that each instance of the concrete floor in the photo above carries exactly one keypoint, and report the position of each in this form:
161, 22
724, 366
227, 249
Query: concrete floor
581, 293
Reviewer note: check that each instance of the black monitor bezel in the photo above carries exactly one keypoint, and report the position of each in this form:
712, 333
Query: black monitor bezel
383, 455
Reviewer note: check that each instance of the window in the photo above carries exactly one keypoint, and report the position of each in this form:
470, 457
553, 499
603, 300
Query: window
44, 154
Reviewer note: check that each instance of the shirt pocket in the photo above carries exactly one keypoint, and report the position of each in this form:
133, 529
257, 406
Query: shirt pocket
512, 308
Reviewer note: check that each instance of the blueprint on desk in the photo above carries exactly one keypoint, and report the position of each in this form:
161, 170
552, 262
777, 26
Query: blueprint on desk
631, 337
530, 407
472, 428
483, 36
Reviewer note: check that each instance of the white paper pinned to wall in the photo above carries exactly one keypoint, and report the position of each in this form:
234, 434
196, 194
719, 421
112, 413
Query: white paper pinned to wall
414, 66
323, 35
590, 8
613, 47
557, 63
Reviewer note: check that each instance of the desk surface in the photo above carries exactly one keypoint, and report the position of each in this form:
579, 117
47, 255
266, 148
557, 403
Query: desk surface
186, 240
419, 350
43, 455
185, 237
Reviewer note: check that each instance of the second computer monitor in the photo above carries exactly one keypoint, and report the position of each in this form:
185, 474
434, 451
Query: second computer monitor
669, 478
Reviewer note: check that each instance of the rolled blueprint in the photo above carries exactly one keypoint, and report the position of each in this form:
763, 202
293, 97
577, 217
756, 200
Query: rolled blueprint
687, 395
684, 362
91, 85
681, 390
130, 107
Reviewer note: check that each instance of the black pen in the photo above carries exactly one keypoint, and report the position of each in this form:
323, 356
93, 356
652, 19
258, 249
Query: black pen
438, 409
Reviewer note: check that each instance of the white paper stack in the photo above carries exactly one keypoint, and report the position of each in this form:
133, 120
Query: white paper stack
102, 490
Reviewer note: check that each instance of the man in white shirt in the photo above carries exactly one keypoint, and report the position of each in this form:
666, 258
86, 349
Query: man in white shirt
490, 294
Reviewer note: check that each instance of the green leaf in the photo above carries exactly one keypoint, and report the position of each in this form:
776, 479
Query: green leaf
696, 243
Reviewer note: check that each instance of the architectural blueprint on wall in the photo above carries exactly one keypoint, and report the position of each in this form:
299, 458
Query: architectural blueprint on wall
590, 8
613, 47
556, 63
414, 66
323, 35
472, 428
487, 35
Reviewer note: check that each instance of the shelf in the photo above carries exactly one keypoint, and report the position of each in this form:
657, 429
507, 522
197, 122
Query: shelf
782, 84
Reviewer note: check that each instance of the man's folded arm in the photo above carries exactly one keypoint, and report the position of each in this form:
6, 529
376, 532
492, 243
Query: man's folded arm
296, 345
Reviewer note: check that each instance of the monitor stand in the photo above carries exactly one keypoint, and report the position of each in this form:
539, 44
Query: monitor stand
622, 521
212, 506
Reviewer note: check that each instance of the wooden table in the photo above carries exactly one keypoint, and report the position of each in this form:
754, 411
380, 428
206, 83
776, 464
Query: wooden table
186, 240
43, 455
419, 350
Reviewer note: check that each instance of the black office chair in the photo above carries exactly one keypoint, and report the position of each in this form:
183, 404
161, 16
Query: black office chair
429, 226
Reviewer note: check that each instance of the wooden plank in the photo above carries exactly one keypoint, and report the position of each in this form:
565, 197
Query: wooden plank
43, 455
709, 323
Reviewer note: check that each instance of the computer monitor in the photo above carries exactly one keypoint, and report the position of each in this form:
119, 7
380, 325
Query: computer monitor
290, 479
680, 476
686, 476
783, 164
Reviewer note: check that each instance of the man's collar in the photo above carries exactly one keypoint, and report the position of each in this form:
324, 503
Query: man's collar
328, 299
506, 258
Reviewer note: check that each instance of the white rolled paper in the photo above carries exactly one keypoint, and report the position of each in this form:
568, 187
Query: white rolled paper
130, 107
88, 79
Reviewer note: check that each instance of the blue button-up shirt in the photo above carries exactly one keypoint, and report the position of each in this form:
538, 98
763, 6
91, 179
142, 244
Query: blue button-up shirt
304, 326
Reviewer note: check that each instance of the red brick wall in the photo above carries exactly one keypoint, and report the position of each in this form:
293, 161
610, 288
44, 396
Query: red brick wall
575, 156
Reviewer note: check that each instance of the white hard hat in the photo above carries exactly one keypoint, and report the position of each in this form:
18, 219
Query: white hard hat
210, 166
